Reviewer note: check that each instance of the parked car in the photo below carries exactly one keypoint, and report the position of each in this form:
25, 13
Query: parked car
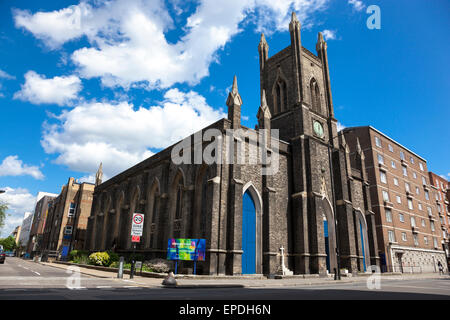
2, 257
9, 253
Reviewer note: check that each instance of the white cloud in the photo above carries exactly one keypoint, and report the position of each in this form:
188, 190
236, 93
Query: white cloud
12, 166
128, 38
19, 201
357, 4
329, 34
4, 75
340, 126
120, 135
58, 90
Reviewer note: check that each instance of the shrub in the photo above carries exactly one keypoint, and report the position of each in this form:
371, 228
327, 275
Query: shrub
158, 265
113, 257
74, 254
99, 259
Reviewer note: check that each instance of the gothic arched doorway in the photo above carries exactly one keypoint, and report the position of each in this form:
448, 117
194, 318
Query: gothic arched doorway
248, 234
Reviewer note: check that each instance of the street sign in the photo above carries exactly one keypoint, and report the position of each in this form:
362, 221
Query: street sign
135, 239
138, 265
137, 226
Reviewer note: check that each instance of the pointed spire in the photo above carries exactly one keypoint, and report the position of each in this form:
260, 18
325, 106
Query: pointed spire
320, 38
343, 141
295, 23
99, 175
264, 111
263, 41
234, 103
358, 146
234, 98
235, 87
294, 17
359, 151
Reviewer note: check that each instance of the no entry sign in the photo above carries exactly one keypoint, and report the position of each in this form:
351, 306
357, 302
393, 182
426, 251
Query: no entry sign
137, 225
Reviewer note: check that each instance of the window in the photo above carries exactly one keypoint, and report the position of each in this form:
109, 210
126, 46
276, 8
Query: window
423, 223
378, 142
430, 212
439, 208
425, 239
68, 230
437, 183
413, 222
424, 181
427, 196
401, 217
393, 164
315, 96
399, 199
380, 158
435, 242
432, 226
416, 240
391, 149
404, 236
417, 190
385, 195
414, 175
402, 155
396, 181
388, 215
421, 166
72, 209
407, 188
405, 171
391, 236
411, 159
420, 206
410, 204
383, 177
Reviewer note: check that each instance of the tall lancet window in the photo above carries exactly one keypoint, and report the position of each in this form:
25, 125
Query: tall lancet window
280, 96
315, 96
178, 210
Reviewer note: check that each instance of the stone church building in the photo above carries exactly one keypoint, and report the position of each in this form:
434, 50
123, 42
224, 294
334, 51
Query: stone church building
315, 208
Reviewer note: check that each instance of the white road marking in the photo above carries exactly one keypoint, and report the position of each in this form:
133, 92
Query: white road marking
76, 288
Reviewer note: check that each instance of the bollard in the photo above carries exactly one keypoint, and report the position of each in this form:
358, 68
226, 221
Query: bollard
120, 271
132, 270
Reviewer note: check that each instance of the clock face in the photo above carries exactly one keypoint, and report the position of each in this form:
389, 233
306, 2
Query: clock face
318, 129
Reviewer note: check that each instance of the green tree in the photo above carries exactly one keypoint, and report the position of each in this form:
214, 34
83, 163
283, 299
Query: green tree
3, 208
9, 244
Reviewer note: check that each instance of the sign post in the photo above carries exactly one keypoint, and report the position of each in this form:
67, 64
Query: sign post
137, 228
187, 250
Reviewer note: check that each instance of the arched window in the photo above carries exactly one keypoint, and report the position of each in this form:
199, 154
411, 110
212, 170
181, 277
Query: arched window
279, 93
152, 214
178, 210
315, 96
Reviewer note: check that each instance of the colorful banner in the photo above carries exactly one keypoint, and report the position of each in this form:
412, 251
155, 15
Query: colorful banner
186, 249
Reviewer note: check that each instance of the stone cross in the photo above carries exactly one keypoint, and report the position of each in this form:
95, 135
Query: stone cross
282, 258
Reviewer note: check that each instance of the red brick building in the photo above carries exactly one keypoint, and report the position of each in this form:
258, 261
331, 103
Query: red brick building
66, 223
408, 226
441, 194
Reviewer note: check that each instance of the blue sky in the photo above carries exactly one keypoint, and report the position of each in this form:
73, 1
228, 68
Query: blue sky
116, 81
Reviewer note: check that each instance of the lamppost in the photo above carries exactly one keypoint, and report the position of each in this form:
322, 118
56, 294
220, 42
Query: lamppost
337, 275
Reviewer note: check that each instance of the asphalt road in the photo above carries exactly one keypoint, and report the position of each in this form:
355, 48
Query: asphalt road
21, 279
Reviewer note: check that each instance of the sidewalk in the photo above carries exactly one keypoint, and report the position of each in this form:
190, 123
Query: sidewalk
243, 282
